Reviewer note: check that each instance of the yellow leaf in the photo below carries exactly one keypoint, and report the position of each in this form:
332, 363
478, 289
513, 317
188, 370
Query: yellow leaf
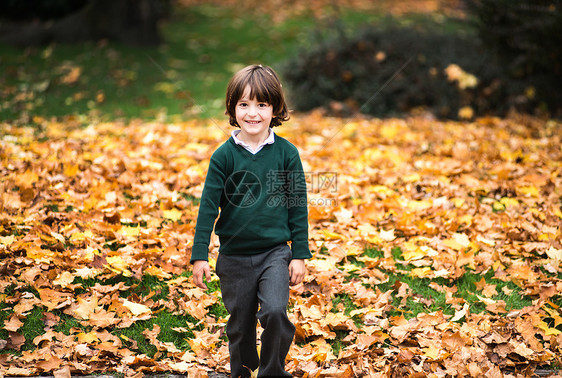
383, 190
529, 191
389, 131
467, 219
554, 315
322, 265
77, 236
457, 242
64, 279
458, 202
86, 272
136, 309
462, 239
375, 239
509, 202
87, 338
71, 170
332, 235
486, 301
212, 263
432, 351
418, 205
484, 240
498, 206
466, 112
460, 313
412, 177
351, 268
335, 320
387, 235
178, 281
413, 252
489, 291
547, 330
117, 265
157, 272
130, 231
7, 240
353, 251
319, 357
497, 265
85, 307
359, 311
554, 254
343, 216
464, 79
173, 214
27, 179
421, 272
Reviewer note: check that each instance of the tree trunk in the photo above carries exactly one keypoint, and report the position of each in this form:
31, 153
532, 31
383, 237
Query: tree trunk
131, 22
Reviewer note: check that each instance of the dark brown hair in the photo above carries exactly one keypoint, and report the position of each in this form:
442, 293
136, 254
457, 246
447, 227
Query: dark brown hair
264, 85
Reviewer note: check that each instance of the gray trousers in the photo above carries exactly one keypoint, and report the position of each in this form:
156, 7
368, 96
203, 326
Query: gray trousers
252, 283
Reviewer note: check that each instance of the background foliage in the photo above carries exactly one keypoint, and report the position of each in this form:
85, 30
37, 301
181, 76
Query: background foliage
515, 65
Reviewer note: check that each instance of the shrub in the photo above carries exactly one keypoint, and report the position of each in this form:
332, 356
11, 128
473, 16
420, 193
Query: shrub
390, 71
526, 34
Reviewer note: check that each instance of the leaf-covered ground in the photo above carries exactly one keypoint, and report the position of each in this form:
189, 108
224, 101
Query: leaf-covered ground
437, 248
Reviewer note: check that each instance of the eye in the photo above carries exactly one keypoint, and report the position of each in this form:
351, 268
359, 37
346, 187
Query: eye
263, 105
242, 104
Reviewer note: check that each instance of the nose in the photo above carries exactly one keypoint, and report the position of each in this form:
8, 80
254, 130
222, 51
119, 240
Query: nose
252, 110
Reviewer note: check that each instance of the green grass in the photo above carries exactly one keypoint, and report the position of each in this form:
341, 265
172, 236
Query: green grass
167, 322
184, 78
417, 302
174, 328
67, 323
32, 327
421, 299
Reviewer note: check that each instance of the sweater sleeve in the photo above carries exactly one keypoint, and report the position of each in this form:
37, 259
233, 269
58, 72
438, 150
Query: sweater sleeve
208, 208
298, 210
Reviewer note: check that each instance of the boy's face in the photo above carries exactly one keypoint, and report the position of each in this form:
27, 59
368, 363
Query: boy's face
253, 117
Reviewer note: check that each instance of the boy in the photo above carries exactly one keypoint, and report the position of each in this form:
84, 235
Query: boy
257, 180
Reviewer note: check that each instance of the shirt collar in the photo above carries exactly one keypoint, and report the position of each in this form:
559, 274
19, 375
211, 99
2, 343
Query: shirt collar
269, 140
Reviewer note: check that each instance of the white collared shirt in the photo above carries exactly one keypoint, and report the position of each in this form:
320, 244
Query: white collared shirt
269, 140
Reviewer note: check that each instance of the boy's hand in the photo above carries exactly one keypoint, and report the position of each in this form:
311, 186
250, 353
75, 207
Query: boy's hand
201, 268
297, 270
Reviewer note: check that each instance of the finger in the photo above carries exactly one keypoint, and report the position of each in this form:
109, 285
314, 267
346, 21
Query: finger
298, 278
198, 279
292, 275
201, 284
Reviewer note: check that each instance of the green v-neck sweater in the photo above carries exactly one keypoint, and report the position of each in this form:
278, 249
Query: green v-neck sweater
262, 201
